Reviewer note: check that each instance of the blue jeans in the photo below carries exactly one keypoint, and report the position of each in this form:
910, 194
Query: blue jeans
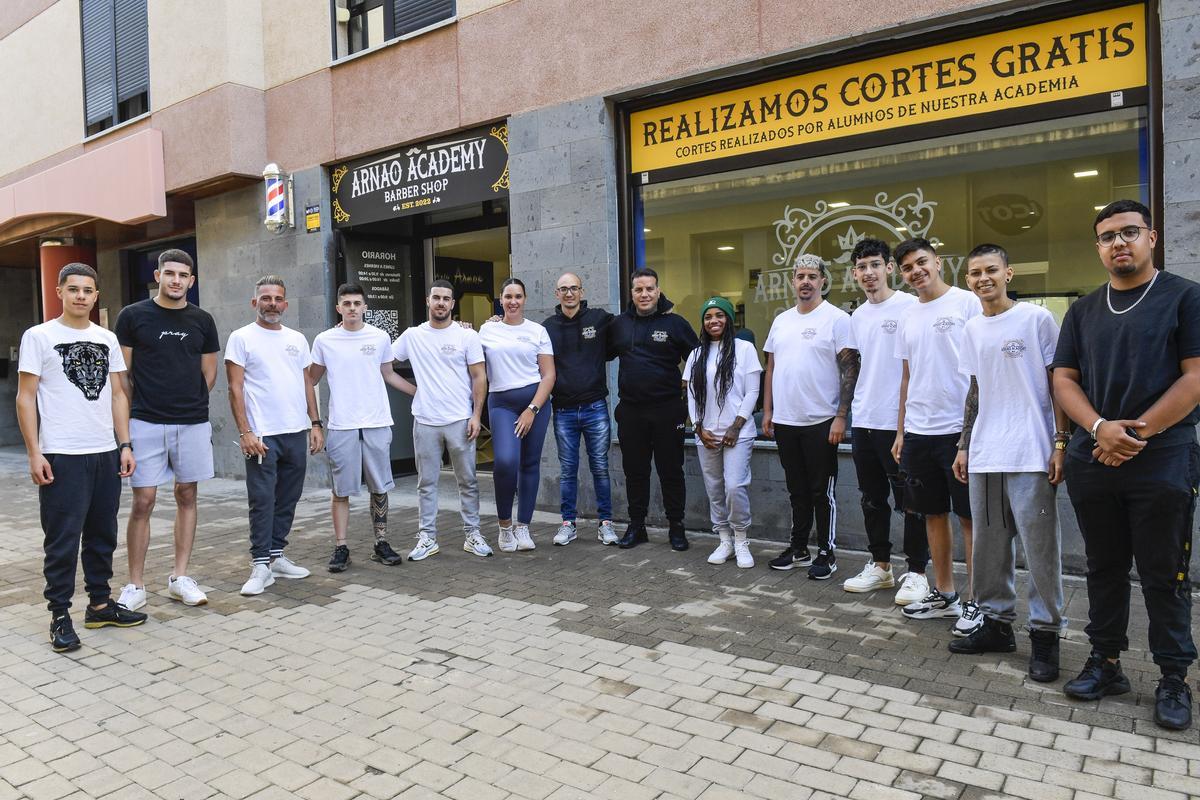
593, 423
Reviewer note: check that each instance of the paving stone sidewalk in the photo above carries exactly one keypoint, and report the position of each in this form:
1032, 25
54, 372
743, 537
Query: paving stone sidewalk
568, 672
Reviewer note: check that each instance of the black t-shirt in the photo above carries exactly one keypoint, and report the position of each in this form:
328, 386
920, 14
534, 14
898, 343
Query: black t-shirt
1127, 361
168, 384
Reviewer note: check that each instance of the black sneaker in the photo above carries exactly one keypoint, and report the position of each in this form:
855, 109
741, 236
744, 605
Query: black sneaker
1043, 656
823, 566
340, 558
1173, 703
384, 554
62, 634
677, 537
992, 636
113, 614
1098, 678
635, 534
792, 557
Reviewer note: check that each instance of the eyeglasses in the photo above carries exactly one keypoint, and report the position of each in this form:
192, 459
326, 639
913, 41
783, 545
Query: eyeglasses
569, 289
1129, 233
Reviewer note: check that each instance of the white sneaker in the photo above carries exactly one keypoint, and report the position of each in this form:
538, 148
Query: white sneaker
524, 540
282, 567
606, 533
871, 578
507, 541
971, 619
723, 552
474, 543
935, 606
132, 597
186, 591
427, 546
566, 533
913, 588
741, 549
260, 578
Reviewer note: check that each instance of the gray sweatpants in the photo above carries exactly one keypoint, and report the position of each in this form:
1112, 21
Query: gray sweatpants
428, 441
1005, 505
727, 479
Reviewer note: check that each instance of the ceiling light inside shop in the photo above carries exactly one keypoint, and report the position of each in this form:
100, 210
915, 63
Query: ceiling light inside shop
1087, 173
839, 204
725, 248
901, 229
1099, 208
645, 230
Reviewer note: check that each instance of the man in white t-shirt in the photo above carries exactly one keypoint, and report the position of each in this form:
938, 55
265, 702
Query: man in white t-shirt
66, 377
357, 358
447, 361
812, 368
932, 393
873, 413
1011, 454
275, 409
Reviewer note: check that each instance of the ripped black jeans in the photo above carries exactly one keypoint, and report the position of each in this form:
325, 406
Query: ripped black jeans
882, 490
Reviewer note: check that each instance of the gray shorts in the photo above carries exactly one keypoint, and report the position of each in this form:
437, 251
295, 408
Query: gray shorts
162, 452
359, 453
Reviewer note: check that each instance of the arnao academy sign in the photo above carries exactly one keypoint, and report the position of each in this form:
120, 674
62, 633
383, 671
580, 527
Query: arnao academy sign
464, 168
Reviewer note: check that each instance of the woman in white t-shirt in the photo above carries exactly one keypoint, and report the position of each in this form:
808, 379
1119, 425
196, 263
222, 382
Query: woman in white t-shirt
520, 367
721, 376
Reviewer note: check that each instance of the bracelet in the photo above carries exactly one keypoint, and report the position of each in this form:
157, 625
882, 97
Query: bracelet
124, 445
246, 433
1096, 426
316, 423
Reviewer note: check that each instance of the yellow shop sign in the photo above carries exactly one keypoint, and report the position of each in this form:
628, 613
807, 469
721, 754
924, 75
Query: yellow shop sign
1087, 55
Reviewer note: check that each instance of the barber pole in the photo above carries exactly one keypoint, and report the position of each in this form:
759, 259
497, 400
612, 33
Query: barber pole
277, 216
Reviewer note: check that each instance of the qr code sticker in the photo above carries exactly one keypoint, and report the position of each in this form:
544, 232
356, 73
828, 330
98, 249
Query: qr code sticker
387, 320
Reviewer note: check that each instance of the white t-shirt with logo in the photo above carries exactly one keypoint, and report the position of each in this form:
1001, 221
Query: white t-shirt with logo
805, 385
357, 394
440, 358
511, 352
877, 394
1008, 354
930, 338
743, 391
74, 398
274, 362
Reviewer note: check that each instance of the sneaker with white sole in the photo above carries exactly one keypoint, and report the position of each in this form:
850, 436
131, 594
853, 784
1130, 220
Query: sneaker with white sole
606, 533
524, 540
566, 533
475, 544
132, 597
871, 578
185, 590
282, 567
913, 588
741, 551
969, 620
507, 542
426, 546
723, 552
260, 578
935, 606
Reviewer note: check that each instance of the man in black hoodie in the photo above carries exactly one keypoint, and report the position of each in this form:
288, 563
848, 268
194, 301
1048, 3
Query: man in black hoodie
580, 398
650, 342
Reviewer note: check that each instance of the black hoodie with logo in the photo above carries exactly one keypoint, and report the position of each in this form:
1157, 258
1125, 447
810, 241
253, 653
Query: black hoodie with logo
580, 353
650, 349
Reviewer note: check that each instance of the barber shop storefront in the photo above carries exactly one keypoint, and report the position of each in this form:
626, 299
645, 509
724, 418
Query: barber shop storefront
423, 212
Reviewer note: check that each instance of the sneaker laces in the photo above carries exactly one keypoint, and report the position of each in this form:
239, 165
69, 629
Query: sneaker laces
1040, 646
1173, 687
971, 611
424, 541
184, 582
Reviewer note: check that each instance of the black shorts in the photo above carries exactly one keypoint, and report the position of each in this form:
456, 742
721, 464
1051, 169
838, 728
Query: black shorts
926, 468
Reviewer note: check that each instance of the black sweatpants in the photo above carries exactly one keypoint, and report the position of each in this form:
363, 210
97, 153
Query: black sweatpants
878, 476
652, 432
1140, 512
80, 507
810, 470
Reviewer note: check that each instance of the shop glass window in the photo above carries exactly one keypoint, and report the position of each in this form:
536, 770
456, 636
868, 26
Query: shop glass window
1034, 189
116, 62
362, 24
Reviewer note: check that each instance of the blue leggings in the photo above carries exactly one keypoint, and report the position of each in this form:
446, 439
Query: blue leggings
518, 461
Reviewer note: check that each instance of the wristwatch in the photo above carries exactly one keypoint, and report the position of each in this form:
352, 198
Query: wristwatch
532, 407
123, 445
1096, 426
1060, 445
316, 423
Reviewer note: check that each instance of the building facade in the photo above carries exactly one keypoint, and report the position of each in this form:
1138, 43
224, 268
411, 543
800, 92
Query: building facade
481, 139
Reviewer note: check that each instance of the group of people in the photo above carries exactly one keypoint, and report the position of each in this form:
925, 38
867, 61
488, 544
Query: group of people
954, 402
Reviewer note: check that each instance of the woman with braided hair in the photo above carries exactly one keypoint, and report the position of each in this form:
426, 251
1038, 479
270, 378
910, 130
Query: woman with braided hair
721, 377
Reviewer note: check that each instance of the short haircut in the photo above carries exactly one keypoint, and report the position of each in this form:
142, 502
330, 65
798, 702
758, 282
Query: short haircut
440, 284
870, 247
911, 246
988, 249
511, 281
643, 272
809, 261
176, 256
270, 280
1123, 207
77, 268
351, 288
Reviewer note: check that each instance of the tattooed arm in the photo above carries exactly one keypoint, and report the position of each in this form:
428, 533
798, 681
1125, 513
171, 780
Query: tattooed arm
848, 362
970, 412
